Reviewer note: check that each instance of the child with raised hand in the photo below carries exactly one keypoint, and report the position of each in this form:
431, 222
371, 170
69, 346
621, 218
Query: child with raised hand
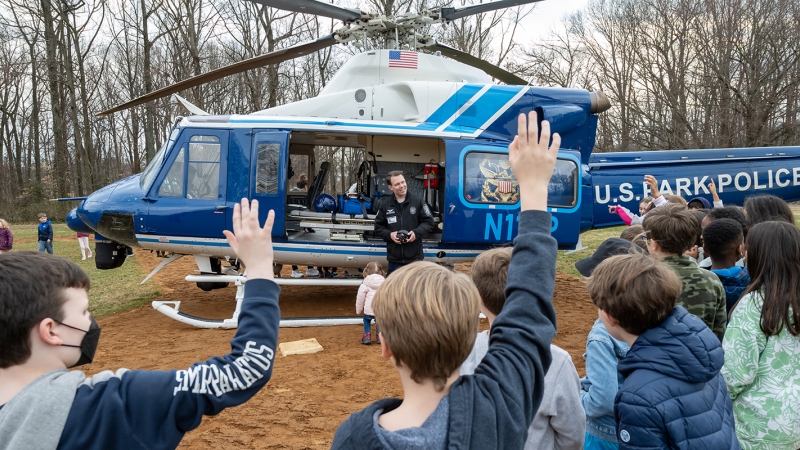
645, 206
723, 242
373, 278
560, 422
428, 316
673, 396
46, 327
762, 342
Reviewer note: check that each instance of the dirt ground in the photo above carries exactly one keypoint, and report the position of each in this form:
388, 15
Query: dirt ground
308, 395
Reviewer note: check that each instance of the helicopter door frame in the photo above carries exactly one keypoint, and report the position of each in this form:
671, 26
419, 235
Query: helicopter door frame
268, 175
180, 209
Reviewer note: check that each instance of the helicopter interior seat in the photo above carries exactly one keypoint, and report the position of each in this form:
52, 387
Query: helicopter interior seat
296, 203
318, 184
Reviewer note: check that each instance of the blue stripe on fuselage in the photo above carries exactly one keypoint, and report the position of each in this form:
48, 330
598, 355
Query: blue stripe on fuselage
485, 107
303, 248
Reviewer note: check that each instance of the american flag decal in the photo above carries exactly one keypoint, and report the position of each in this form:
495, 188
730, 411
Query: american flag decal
504, 187
402, 59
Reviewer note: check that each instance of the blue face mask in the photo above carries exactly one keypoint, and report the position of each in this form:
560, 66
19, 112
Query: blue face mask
88, 344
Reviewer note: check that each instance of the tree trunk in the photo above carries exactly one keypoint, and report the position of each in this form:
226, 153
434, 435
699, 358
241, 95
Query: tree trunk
60, 152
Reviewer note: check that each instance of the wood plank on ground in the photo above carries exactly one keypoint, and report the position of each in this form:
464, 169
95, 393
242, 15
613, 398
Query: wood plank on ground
301, 347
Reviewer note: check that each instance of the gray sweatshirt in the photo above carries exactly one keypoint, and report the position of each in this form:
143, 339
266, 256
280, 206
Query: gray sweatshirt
560, 422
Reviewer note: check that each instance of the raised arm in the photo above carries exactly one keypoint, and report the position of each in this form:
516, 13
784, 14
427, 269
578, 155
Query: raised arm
653, 183
713, 188
153, 409
519, 346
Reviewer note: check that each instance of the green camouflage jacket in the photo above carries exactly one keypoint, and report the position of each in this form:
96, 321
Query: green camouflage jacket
703, 294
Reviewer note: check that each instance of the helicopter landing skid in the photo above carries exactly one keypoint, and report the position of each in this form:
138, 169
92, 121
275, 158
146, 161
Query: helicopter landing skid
171, 308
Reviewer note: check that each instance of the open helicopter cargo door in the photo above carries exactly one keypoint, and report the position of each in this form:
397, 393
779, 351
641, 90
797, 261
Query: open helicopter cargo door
268, 175
482, 195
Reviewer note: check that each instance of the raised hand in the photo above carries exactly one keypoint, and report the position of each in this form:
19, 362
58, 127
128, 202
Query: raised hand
252, 243
651, 180
713, 188
532, 161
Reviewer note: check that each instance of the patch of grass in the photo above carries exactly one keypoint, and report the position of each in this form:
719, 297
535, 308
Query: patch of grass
590, 239
113, 290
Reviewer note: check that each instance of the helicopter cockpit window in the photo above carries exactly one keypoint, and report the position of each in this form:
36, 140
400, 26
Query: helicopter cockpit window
267, 168
172, 186
152, 169
562, 192
488, 179
203, 175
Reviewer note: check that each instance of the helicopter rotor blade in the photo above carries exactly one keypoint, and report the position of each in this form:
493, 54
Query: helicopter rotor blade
275, 57
458, 13
313, 7
491, 69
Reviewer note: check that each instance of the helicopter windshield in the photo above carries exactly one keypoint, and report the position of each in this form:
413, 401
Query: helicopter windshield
152, 169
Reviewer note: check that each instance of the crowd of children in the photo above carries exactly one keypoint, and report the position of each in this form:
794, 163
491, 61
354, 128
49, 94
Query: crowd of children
734, 272
664, 367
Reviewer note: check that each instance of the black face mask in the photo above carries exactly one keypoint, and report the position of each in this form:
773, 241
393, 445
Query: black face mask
88, 344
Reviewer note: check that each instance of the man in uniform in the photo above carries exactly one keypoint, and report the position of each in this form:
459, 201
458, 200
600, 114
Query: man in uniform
402, 212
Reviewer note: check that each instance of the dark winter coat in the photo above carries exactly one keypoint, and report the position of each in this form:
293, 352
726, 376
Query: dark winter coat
673, 396
411, 215
45, 231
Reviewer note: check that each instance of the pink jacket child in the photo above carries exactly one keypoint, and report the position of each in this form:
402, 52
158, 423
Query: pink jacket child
366, 292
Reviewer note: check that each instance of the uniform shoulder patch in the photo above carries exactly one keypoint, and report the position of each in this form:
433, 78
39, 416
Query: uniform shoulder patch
426, 210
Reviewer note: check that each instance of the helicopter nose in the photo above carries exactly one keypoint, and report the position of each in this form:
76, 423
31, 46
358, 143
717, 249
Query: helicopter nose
76, 224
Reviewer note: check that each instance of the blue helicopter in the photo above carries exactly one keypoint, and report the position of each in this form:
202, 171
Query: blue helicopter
435, 115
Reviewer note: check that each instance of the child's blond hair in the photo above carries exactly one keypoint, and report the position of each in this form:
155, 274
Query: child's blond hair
428, 317
676, 199
40, 215
372, 269
489, 273
3, 224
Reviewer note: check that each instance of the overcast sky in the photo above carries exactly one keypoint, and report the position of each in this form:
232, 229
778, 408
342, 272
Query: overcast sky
546, 14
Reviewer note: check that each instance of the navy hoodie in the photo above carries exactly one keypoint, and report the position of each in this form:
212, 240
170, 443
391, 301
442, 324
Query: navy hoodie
45, 231
149, 409
492, 408
673, 396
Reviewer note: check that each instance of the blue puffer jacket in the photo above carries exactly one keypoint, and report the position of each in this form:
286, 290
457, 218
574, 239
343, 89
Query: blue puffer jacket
673, 396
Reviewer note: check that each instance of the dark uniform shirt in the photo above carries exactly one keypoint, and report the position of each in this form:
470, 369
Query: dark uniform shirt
411, 215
